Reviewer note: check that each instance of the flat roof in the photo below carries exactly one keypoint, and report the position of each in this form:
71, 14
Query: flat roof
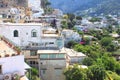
50, 51
22, 24
50, 35
73, 53
81, 66
69, 52
68, 30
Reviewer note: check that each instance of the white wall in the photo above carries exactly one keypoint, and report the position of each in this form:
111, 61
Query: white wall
48, 40
24, 33
55, 63
12, 64
34, 3
25, 38
71, 35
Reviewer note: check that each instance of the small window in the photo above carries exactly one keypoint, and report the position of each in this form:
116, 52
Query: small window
36, 44
31, 62
58, 71
15, 33
9, 16
34, 33
51, 42
43, 71
36, 62
33, 44
33, 53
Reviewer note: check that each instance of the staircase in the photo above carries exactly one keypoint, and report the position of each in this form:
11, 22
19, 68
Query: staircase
11, 44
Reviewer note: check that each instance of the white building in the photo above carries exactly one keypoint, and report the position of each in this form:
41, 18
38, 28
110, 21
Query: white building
11, 63
16, 14
9, 66
74, 56
71, 35
80, 28
31, 35
57, 12
35, 5
22, 34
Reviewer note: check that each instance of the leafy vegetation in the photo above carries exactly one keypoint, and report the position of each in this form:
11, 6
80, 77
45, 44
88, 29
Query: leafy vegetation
101, 64
46, 6
34, 73
94, 19
75, 73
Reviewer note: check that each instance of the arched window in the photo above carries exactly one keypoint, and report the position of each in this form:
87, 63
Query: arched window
34, 33
15, 33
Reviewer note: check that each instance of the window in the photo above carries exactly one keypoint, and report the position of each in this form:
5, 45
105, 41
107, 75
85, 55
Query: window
36, 62
34, 33
74, 60
43, 71
52, 56
33, 44
26, 33
45, 56
0, 69
33, 53
51, 42
15, 33
58, 71
30, 62
33, 63
60, 55
9, 16
4, 15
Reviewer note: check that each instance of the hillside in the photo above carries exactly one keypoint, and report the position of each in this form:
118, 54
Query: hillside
91, 7
71, 5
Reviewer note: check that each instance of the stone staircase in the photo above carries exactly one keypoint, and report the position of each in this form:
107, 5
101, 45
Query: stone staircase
11, 44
